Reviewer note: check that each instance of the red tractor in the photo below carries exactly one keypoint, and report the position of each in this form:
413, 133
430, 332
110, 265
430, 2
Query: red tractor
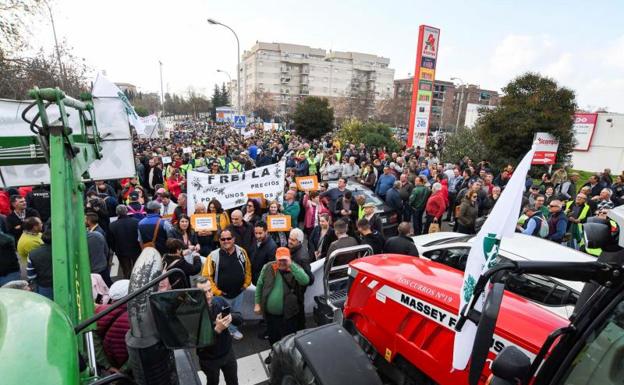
402, 312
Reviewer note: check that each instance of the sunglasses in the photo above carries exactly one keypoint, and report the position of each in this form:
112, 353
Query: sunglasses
225, 239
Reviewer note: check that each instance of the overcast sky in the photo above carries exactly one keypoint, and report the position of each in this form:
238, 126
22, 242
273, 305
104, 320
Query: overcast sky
578, 43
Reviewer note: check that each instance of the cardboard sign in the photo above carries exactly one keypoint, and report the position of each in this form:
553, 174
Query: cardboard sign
187, 150
307, 183
258, 197
278, 223
204, 222
166, 159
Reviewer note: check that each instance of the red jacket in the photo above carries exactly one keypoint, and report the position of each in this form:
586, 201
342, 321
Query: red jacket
5, 203
175, 186
112, 329
436, 205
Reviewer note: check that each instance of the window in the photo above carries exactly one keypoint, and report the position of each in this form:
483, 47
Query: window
539, 289
543, 290
453, 257
600, 360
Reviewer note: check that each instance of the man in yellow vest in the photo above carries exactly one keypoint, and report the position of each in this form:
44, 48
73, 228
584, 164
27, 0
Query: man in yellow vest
577, 213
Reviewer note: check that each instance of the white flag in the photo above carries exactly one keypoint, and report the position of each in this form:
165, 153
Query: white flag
502, 222
104, 88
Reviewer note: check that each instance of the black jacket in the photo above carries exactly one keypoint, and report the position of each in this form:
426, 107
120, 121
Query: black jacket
340, 205
122, 237
8, 255
41, 261
13, 221
374, 240
245, 237
262, 255
299, 255
39, 199
401, 244
315, 238
223, 341
188, 269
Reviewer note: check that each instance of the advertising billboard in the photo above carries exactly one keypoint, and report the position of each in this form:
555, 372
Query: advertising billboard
423, 86
583, 127
546, 146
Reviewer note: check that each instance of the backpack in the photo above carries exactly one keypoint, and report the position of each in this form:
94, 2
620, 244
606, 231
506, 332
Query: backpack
138, 214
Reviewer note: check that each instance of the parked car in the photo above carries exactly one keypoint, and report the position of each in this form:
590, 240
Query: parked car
558, 296
389, 217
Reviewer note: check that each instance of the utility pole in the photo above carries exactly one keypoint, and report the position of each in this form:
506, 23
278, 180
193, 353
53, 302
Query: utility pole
461, 100
56, 46
162, 101
162, 95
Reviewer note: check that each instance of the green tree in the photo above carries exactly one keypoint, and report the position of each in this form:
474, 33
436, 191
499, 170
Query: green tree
141, 111
462, 143
531, 103
313, 117
372, 134
216, 101
225, 96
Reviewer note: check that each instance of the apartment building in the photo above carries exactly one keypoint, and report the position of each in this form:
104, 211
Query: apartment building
449, 101
289, 72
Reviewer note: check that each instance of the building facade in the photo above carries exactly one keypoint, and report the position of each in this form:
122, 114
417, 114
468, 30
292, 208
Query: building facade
450, 102
288, 72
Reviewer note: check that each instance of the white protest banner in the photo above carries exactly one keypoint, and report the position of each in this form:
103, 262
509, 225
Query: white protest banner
187, 150
232, 189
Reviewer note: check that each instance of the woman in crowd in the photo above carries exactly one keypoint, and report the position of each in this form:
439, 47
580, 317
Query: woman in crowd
184, 232
549, 195
112, 329
330, 170
175, 184
321, 237
251, 211
280, 237
205, 238
223, 219
368, 177
618, 189
468, 212
313, 207
174, 259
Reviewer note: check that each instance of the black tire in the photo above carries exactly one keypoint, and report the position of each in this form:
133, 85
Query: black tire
288, 366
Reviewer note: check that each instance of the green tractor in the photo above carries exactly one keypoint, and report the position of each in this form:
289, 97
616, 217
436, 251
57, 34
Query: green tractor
45, 342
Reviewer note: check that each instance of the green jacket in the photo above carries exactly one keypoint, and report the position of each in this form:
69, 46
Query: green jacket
419, 196
292, 209
276, 296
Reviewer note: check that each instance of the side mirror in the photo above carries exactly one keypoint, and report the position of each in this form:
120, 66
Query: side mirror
510, 366
485, 332
182, 319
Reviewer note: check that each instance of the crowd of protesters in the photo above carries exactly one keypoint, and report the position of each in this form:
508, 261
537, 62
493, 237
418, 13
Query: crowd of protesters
150, 209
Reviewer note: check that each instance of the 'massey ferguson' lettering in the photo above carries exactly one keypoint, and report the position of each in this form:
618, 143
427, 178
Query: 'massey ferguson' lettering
428, 310
440, 316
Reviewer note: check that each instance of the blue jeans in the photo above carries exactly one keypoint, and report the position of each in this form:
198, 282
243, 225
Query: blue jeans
14, 276
235, 304
417, 221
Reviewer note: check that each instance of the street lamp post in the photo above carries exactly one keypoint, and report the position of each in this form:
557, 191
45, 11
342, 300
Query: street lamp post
461, 100
238, 91
162, 95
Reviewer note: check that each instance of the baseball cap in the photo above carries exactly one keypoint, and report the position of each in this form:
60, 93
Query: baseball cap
536, 187
160, 190
282, 253
369, 204
134, 195
119, 289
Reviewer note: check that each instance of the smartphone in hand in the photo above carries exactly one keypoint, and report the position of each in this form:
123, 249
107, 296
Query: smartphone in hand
226, 310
